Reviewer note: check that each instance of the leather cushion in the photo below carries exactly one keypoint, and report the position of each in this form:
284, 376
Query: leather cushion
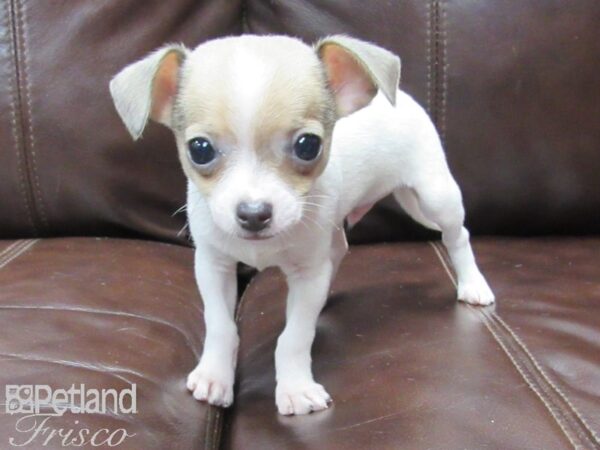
105, 313
408, 366
69, 167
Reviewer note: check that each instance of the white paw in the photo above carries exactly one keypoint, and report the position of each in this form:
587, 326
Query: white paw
475, 291
301, 398
212, 386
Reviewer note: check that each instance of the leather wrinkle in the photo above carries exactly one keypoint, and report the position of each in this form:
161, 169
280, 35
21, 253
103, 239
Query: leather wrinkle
109, 313
569, 419
78, 365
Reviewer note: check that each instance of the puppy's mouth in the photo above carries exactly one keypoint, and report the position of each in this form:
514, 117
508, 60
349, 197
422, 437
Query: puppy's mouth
249, 236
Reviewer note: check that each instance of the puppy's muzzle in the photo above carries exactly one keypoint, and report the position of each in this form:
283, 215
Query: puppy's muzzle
254, 216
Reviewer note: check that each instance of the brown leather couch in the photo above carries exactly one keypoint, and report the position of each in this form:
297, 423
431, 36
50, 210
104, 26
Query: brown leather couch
96, 282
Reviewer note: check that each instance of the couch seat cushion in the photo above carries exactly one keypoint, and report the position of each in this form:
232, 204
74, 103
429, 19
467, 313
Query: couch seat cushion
105, 313
409, 367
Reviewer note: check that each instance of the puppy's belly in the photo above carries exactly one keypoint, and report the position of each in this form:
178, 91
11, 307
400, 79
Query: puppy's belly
358, 213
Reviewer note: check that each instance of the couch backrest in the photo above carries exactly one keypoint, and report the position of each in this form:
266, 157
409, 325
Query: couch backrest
67, 164
512, 85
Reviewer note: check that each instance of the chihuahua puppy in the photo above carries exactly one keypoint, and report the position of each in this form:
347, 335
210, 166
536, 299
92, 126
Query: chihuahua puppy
281, 142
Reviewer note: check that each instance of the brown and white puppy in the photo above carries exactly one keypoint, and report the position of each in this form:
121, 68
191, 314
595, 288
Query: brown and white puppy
280, 143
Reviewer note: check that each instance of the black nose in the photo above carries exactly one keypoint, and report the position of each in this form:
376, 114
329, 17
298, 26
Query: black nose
254, 216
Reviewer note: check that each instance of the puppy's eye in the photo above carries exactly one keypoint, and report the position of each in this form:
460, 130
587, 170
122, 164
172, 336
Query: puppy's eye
201, 151
307, 147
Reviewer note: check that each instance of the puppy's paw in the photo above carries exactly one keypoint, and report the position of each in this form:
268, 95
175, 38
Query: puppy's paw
475, 291
301, 398
211, 386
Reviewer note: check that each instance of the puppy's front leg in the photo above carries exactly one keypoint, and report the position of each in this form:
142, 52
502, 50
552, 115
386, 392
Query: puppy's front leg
297, 392
212, 379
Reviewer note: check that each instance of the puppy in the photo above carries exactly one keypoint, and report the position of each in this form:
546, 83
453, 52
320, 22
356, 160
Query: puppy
281, 142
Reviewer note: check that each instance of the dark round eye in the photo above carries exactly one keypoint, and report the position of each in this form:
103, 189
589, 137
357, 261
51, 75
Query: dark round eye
201, 151
307, 147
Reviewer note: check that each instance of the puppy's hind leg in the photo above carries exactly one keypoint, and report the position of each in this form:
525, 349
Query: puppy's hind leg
438, 206
410, 203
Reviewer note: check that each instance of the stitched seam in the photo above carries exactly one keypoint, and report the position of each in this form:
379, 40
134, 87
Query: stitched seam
21, 250
213, 427
569, 423
436, 64
541, 373
22, 18
545, 386
429, 58
548, 380
8, 248
209, 445
15, 103
244, 16
217, 422
441, 256
444, 264
442, 66
530, 383
11, 251
583, 422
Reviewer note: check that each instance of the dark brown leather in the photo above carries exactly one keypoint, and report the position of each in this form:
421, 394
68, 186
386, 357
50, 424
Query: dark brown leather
106, 313
409, 367
68, 164
512, 85
549, 295
72, 169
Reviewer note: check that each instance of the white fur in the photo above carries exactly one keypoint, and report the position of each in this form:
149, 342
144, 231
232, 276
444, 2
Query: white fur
380, 149
247, 88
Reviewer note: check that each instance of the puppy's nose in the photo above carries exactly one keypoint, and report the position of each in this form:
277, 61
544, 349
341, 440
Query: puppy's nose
254, 216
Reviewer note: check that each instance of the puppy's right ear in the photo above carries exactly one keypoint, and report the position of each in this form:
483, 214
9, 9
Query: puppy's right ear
146, 89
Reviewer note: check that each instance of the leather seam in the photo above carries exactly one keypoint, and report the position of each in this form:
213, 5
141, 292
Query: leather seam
213, 427
15, 105
10, 247
576, 429
22, 18
244, 16
11, 250
429, 59
436, 64
594, 437
443, 45
17, 251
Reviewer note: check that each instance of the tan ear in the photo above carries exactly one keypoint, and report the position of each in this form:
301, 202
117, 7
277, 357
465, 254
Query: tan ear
356, 70
146, 89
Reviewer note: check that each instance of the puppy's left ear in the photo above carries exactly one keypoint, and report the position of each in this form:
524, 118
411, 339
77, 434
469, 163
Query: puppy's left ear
356, 70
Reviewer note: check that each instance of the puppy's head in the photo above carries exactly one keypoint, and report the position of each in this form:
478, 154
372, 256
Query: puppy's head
253, 117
